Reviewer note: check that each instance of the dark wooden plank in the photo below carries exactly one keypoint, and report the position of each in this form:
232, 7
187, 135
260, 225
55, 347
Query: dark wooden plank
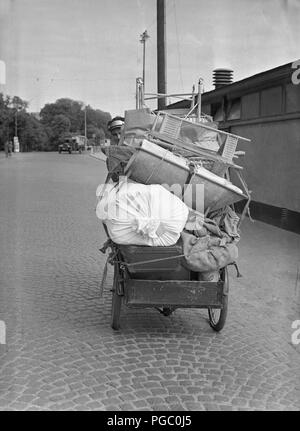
180, 293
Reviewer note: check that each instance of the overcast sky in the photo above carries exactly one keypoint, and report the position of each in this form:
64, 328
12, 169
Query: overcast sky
89, 50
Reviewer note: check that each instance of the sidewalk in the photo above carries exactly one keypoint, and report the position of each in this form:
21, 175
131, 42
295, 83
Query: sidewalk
98, 155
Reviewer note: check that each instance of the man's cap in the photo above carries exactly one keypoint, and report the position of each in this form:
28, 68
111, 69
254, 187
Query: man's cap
115, 123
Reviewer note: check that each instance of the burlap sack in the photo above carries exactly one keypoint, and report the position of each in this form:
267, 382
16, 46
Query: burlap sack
205, 254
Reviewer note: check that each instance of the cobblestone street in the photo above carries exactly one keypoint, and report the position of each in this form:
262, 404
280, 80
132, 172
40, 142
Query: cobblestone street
60, 351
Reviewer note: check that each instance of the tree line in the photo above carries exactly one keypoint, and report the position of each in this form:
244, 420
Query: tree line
45, 130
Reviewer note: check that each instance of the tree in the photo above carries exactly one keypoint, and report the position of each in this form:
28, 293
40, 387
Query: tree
4, 118
98, 119
57, 120
60, 124
67, 107
76, 112
18, 103
32, 134
56, 130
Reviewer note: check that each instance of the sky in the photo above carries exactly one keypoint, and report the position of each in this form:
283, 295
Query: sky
89, 50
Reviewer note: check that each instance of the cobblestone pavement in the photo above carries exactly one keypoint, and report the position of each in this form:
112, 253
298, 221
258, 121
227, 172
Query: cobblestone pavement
60, 352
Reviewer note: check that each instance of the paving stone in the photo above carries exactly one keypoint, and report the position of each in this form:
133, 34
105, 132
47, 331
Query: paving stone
155, 400
26, 398
193, 406
18, 405
66, 405
225, 407
177, 390
94, 405
126, 406
139, 404
159, 391
111, 401
82, 399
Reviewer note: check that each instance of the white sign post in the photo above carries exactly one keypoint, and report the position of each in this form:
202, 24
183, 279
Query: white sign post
2, 72
16, 144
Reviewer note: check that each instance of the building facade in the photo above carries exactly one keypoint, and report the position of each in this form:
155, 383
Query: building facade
266, 109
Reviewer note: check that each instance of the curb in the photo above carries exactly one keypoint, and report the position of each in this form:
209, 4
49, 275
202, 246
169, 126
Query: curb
101, 156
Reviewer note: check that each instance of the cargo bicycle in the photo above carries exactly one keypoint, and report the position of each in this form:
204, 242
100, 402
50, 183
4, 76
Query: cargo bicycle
154, 277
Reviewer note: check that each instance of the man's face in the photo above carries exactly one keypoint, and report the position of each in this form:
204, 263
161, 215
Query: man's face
115, 136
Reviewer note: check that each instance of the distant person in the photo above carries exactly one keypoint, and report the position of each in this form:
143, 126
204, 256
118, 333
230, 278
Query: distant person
6, 149
10, 148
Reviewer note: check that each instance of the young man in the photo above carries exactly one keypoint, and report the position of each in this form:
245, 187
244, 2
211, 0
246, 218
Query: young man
117, 158
115, 126
6, 148
113, 163
10, 148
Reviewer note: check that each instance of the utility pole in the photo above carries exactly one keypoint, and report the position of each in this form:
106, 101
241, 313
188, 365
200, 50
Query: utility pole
85, 121
143, 39
200, 82
17, 108
161, 52
16, 123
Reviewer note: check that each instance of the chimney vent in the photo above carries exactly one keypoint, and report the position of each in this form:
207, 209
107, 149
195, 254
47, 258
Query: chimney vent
222, 77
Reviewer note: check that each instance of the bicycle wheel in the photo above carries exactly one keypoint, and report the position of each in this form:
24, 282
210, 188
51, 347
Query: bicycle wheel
217, 316
116, 300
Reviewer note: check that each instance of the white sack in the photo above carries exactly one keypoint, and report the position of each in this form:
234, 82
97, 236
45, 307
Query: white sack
141, 214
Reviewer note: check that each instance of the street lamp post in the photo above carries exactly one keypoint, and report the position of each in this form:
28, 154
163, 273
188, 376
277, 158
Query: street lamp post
139, 93
143, 39
16, 123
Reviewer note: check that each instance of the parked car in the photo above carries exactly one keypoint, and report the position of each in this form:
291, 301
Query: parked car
65, 146
70, 145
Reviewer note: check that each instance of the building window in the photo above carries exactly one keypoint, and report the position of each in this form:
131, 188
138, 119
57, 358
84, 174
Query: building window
250, 106
271, 101
292, 94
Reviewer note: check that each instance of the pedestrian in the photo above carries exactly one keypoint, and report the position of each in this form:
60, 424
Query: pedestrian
115, 127
6, 149
10, 148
